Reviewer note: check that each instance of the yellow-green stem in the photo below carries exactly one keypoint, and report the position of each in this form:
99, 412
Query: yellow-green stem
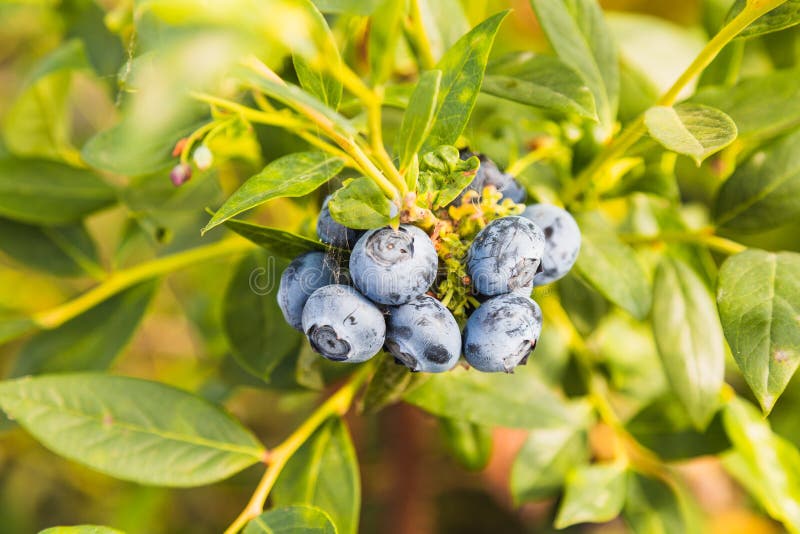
420, 37
337, 404
637, 456
529, 159
275, 118
346, 143
702, 237
632, 133
372, 100
124, 279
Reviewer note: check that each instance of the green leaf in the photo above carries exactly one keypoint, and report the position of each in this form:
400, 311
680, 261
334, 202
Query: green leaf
275, 241
360, 204
581, 39
764, 192
49, 193
293, 96
541, 81
637, 92
37, 124
324, 473
384, 35
593, 494
689, 339
119, 426
724, 70
602, 259
418, 117
652, 507
294, 175
462, 67
782, 17
766, 464
783, 48
318, 83
292, 520
762, 106
518, 400
657, 48
443, 175
758, 295
122, 149
545, 459
91, 341
81, 529
349, 7
665, 428
388, 385
693, 130
14, 327
60, 250
254, 325
470, 444
315, 78
628, 350
445, 22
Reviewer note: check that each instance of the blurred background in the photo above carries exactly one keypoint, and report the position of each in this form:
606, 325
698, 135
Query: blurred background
411, 481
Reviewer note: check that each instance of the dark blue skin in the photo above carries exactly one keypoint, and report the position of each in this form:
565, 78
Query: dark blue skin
489, 174
342, 325
333, 233
502, 332
423, 335
392, 267
562, 241
304, 275
505, 256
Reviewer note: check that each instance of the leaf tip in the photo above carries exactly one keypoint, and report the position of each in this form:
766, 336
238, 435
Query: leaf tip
767, 402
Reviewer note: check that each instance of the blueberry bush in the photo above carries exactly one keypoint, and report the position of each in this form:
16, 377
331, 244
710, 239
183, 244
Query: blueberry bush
264, 248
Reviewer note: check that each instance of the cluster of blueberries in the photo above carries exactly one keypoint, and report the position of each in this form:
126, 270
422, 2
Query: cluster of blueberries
383, 302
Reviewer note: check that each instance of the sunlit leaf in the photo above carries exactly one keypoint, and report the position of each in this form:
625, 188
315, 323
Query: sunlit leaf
689, 339
462, 68
119, 426
593, 494
690, 129
294, 175
758, 295
764, 192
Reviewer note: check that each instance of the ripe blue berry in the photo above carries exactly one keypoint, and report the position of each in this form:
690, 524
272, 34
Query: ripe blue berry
393, 266
332, 232
489, 174
304, 275
342, 325
423, 335
505, 256
502, 332
562, 241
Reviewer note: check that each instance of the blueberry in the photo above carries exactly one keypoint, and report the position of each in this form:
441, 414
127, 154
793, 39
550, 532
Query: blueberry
489, 174
304, 275
332, 232
502, 332
423, 335
562, 241
505, 256
393, 266
342, 325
